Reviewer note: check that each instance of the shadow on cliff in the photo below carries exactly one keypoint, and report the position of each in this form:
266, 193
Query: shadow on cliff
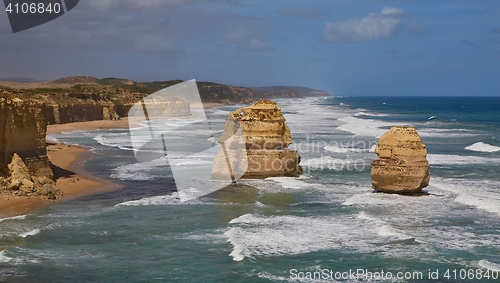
61, 172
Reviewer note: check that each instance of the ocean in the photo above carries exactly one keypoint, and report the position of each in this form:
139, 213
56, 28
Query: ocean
325, 226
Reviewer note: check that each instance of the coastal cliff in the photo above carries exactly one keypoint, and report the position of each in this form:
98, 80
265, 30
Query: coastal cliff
266, 137
24, 165
402, 166
23, 127
79, 99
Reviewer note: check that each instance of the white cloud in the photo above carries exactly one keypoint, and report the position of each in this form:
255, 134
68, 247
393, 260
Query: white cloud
246, 39
237, 36
152, 43
256, 44
391, 10
369, 28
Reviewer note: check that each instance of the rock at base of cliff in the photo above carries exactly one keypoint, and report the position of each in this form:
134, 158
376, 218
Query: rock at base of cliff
17, 168
402, 166
51, 192
19, 181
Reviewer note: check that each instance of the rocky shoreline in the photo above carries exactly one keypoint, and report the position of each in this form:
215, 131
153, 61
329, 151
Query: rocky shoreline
70, 178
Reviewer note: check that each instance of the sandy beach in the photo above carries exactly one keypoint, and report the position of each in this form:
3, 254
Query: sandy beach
67, 161
89, 125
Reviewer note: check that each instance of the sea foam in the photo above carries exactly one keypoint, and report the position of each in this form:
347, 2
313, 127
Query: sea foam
290, 182
255, 235
156, 200
239, 251
446, 133
482, 194
172, 199
365, 113
366, 216
13, 218
450, 159
387, 231
30, 233
372, 198
118, 140
489, 265
363, 127
139, 171
344, 149
3, 257
483, 147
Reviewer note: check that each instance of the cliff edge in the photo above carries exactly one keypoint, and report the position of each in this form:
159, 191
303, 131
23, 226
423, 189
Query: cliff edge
83, 98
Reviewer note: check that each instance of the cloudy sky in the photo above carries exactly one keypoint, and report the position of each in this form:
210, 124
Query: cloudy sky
346, 47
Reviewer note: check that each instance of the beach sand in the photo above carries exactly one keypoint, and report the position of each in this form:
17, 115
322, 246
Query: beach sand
90, 125
67, 164
68, 161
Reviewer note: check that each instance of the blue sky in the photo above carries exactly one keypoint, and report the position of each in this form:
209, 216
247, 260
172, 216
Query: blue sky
347, 48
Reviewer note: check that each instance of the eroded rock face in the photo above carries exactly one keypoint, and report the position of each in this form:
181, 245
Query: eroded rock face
24, 165
23, 128
266, 137
402, 166
168, 106
20, 183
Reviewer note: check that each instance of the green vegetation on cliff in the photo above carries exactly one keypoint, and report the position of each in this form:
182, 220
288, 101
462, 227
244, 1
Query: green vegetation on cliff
73, 99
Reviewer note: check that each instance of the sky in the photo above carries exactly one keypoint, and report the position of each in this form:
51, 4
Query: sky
345, 47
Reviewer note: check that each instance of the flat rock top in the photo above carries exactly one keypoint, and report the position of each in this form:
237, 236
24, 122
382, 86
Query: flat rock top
264, 110
401, 141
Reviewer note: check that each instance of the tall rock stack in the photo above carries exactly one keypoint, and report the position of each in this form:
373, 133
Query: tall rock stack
266, 137
402, 166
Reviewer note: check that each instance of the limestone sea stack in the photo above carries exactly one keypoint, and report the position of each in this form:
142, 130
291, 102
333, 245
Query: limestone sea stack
266, 137
402, 166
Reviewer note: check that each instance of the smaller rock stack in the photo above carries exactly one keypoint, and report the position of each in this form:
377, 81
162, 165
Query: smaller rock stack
402, 166
20, 182
266, 137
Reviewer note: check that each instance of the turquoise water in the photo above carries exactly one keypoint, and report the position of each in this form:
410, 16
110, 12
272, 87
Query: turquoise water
283, 229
